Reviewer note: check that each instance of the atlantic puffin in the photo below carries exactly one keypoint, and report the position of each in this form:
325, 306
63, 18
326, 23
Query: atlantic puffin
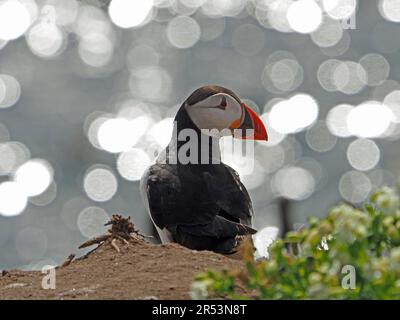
195, 199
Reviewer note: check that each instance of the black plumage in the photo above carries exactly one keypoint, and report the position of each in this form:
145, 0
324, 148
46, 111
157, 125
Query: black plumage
201, 206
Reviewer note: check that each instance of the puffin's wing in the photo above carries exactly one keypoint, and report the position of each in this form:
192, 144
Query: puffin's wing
218, 228
220, 235
231, 196
172, 201
158, 186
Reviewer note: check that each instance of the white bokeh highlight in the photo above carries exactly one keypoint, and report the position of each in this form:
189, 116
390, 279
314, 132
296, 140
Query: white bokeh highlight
294, 183
303, 110
363, 154
304, 16
128, 14
369, 120
91, 221
34, 176
15, 19
100, 184
13, 199
132, 164
183, 32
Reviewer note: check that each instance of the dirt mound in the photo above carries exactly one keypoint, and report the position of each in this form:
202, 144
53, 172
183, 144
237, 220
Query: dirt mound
140, 270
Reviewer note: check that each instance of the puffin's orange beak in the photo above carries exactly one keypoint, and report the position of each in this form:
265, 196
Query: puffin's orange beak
251, 121
260, 132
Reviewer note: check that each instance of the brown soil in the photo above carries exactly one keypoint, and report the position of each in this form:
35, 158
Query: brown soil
140, 271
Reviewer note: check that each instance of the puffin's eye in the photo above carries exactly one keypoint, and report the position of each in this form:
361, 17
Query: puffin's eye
223, 103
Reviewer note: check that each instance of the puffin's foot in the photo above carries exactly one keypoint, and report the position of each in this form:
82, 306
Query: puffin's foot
244, 248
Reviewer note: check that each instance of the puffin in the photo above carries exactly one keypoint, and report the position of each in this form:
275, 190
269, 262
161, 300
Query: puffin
192, 197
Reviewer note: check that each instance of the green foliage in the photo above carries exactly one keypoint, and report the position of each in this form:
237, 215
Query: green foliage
310, 263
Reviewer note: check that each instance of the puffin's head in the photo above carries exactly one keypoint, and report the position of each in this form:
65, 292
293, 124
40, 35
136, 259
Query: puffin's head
215, 107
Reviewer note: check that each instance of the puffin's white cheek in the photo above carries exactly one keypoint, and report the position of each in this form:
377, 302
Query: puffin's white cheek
216, 112
233, 112
210, 118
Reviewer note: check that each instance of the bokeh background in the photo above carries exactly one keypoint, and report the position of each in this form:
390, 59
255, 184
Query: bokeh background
88, 90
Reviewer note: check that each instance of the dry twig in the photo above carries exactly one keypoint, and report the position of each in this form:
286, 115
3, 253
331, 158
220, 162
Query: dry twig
122, 229
68, 260
114, 245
